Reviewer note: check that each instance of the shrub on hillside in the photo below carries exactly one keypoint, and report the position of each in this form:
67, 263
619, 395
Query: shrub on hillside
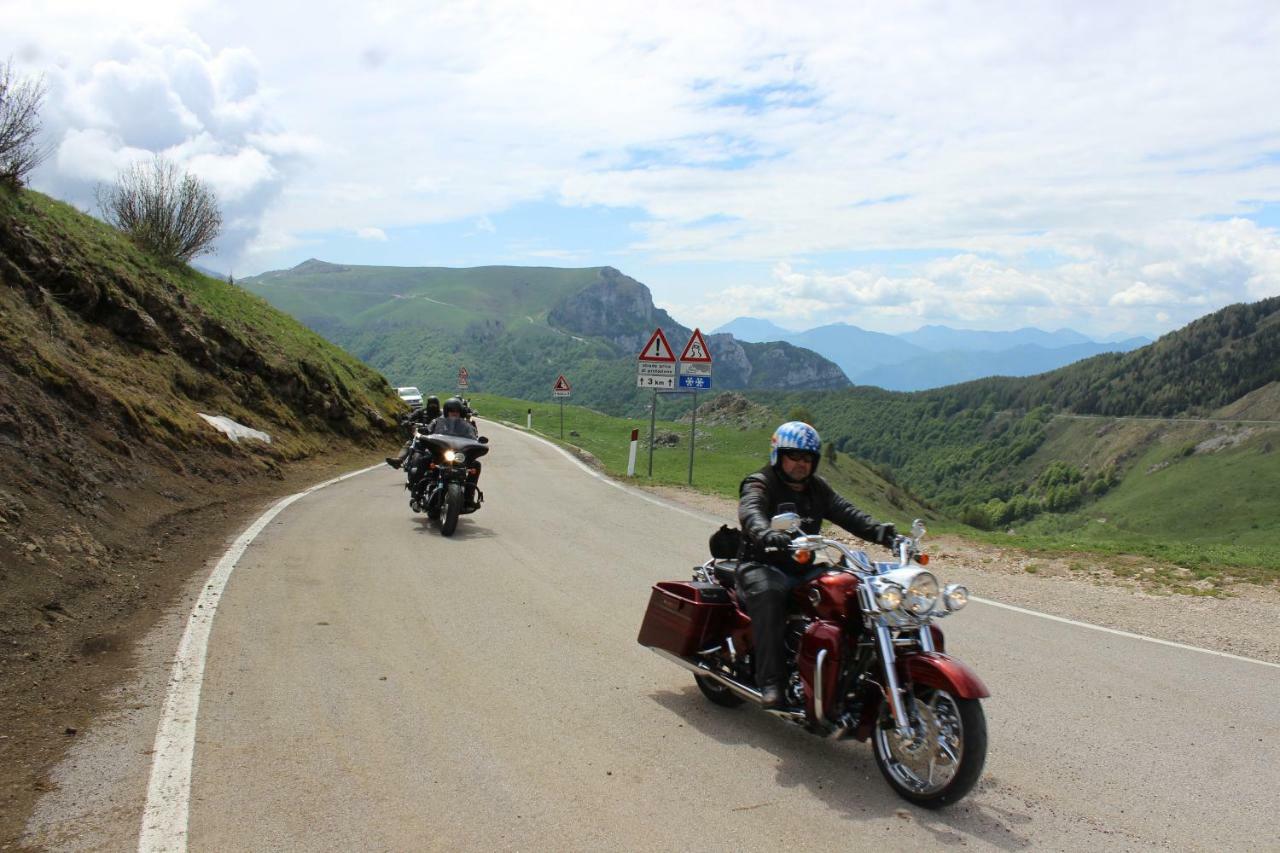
171, 214
20, 102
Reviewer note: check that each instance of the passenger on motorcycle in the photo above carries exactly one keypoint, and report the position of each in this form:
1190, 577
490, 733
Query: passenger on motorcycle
422, 416
769, 574
453, 422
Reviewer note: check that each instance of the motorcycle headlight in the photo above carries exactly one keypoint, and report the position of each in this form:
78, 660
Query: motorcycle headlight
450, 456
954, 596
922, 594
889, 596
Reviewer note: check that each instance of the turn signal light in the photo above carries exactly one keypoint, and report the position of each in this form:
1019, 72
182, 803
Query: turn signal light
803, 557
922, 559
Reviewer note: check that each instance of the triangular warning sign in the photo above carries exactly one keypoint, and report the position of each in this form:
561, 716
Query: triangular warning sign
696, 349
562, 384
462, 374
657, 349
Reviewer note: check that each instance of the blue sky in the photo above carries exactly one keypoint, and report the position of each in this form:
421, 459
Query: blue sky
1108, 167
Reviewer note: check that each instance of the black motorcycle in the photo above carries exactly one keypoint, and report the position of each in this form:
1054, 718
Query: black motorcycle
438, 469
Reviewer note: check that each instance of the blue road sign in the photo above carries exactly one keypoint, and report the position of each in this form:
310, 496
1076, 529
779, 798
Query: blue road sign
700, 383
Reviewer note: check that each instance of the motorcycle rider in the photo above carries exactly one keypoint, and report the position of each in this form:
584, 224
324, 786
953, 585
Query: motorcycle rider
768, 573
453, 422
422, 416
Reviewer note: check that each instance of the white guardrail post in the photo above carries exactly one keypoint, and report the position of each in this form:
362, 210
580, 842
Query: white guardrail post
631, 457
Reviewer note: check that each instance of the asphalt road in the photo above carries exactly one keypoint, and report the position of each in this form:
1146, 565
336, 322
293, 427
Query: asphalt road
372, 685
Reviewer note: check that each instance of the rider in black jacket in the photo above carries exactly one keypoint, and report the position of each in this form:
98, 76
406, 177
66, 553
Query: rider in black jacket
422, 416
768, 574
453, 421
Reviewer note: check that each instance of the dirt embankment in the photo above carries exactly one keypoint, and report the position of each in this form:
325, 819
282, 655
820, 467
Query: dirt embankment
113, 489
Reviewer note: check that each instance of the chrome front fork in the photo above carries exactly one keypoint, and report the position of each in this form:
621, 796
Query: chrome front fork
885, 641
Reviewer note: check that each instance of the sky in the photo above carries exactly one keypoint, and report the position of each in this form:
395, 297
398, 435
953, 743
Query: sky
1108, 167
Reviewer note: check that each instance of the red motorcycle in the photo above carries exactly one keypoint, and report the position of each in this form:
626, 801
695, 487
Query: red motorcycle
865, 659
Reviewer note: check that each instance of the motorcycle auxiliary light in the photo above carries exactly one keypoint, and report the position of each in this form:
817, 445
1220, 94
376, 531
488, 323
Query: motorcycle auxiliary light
954, 596
889, 596
449, 456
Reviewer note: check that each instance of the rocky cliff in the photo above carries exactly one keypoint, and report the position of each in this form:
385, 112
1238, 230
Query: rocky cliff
620, 309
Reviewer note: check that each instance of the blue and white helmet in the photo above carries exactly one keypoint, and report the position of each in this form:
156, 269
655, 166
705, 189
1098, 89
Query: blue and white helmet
795, 435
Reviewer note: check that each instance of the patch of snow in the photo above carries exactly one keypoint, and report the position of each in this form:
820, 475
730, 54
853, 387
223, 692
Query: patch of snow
233, 430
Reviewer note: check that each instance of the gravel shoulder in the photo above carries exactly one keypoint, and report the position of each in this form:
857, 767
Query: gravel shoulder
1245, 622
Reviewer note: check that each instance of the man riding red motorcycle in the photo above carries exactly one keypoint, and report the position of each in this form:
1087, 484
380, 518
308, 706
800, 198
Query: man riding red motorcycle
769, 572
848, 646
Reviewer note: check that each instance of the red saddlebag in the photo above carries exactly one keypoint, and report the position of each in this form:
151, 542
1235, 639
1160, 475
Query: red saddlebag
686, 617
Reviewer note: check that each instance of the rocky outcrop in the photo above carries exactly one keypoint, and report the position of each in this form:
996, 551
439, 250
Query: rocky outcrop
620, 310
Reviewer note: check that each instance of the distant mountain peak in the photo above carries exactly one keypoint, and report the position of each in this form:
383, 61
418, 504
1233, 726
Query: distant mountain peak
313, 266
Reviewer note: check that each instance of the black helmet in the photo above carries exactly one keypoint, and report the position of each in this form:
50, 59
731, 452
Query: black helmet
433, 399
455, 405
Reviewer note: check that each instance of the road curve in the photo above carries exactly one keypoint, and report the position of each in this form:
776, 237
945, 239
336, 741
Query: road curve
372, 685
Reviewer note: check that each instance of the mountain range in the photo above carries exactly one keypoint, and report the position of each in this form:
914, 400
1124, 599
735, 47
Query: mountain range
516, 329
934, 356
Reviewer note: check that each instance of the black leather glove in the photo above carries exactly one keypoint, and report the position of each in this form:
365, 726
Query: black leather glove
776, 539
885, 534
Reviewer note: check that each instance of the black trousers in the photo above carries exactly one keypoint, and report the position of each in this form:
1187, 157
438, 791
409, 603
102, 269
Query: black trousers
766, 590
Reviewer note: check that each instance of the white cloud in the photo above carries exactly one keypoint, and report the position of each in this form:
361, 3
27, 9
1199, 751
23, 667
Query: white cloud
1136, 281
372, 234
1116, 143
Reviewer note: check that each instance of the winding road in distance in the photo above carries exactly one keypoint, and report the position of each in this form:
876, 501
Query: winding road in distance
371, 685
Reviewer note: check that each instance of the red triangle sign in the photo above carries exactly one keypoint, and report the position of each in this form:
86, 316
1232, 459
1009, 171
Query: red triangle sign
562, 384
462, 374
657, 349
696, 349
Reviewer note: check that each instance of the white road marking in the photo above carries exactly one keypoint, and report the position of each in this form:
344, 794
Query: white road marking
164, 818
1120, 633
1023, 610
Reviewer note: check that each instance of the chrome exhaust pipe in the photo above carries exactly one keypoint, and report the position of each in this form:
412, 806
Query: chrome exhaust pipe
740, 690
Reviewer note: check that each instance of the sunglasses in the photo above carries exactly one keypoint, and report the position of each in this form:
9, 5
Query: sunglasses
798, 455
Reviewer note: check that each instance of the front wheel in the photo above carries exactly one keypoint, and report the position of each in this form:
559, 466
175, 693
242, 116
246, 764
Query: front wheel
452, 507
943, 760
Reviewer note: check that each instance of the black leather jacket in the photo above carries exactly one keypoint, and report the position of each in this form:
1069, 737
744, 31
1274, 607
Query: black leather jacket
764, 491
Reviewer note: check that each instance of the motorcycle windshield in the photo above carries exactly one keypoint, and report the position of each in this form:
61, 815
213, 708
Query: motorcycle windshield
472, 448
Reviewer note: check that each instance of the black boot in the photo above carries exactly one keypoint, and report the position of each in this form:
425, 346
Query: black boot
393, 462
771, 697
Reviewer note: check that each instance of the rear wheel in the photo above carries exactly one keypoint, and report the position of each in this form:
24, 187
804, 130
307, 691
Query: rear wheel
943, 760
717, 692
452, 507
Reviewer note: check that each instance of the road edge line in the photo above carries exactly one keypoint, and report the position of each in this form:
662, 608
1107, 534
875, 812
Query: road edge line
167, 808
1119, 633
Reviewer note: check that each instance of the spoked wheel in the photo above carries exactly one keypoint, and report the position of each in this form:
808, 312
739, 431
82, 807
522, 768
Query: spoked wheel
944, 759
717, 692
452, 507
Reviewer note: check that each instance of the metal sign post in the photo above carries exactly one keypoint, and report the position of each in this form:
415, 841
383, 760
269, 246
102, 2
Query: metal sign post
561, 390
693, 434
695, 374
655, 369
653, 411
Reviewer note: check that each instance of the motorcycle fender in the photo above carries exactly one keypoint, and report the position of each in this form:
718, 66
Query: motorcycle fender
935, 669
820, 636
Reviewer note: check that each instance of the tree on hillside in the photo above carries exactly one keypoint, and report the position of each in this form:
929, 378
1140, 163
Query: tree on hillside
20, 102
170, 213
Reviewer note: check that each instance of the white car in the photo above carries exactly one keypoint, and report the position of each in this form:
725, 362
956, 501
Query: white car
411, 395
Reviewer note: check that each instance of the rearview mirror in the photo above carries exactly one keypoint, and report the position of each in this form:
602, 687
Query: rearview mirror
785, 520
484, 439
